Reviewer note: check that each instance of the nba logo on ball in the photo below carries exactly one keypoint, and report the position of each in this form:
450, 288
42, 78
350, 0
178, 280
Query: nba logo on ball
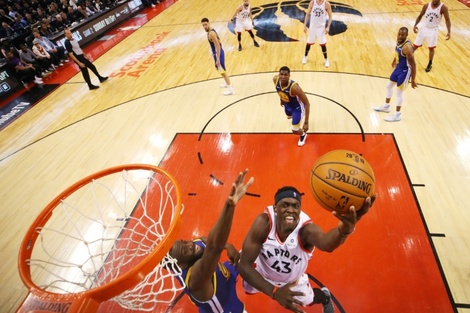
341, 179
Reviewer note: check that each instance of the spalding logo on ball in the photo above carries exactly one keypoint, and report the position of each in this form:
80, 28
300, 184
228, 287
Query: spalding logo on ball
340, 179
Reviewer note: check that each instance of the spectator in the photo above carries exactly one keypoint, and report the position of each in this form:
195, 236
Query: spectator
25, 72
71, 16
98, 5
34, 4
46, 29
53, 9
40, 14
25, 6
6, 18
57, 52
6, 31
81, 13
60, 23
90, 9
20, 25
29, 19
42, 54
27, 56
11, 12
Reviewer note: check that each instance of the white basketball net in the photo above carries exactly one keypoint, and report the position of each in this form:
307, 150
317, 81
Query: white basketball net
103, 230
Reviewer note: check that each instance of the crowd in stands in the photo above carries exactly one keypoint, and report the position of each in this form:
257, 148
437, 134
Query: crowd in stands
28, 25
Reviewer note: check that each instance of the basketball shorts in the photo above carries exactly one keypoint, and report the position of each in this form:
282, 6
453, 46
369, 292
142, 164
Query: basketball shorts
245, 24
427, 34
222, 62
297, 114
315, 33
401, 77
303, 285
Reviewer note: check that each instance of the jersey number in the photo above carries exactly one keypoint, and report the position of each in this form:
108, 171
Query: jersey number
286, 269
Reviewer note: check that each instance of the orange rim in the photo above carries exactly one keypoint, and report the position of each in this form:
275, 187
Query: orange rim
120, 284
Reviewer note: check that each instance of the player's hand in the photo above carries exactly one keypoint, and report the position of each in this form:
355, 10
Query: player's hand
448, 36
232, 254
239, 188
349, 219
285, 297
415, 29
305, 29
327, 31
305, 127
414, 84
394, 63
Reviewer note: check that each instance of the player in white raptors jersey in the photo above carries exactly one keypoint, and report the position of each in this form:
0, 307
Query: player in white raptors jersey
279, 244
432, 13
243, 20
316, 13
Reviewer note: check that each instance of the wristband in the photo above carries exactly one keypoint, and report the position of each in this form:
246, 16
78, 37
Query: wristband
345, 234
274, 291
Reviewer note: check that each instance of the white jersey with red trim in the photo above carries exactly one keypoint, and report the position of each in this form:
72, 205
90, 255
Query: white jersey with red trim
433, 17
244, 14
318, 14
283, 262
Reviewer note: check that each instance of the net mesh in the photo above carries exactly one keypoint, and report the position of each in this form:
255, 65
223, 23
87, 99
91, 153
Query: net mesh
102, 231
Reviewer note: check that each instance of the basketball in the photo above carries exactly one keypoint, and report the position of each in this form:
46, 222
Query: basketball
340, 179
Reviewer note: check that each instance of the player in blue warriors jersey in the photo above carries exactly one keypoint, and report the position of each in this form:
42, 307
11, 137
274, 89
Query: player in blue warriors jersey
209, 283
404, 71
218, 54
295, 103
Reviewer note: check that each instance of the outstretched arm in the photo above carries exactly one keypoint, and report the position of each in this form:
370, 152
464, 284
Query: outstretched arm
330, 17
409, 52
297, 91
312, 236
203, 270
215, 40
232, 252
445, 12
418, 19
307, 15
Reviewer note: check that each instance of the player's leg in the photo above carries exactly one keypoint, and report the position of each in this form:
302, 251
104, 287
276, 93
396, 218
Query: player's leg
249, 28
223, 72
312, 36
297, 117
388, 93
322, 41
432, 44
238, 30
402, 82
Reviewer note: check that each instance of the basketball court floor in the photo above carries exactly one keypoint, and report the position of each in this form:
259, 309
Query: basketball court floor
163, 106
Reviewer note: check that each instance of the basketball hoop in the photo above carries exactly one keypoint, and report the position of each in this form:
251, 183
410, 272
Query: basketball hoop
105, 237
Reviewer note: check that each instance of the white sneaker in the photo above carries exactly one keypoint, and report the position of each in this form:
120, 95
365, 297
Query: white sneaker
395, 117
38, 81
223, 85
229, 92
383, 108
302, 140
327, 63
304, 60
